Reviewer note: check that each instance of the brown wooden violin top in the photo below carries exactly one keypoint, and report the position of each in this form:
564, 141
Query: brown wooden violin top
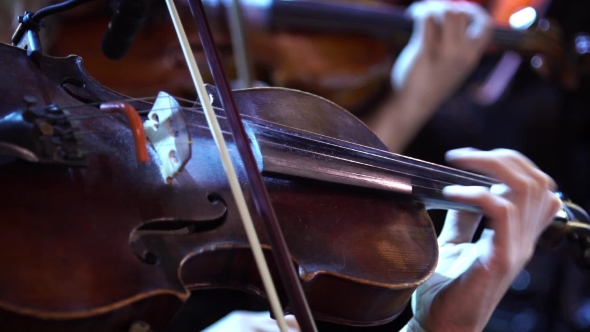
82, 231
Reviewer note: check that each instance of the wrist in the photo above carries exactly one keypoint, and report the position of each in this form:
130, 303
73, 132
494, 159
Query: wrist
415, 106
398, 120
424, 96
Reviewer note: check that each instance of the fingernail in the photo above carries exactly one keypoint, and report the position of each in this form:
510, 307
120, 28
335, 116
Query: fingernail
452, 190
455, 153
452, 154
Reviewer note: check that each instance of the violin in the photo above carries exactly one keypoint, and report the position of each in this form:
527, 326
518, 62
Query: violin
349, 64
119, 207
154, 61
541, 39
347, 69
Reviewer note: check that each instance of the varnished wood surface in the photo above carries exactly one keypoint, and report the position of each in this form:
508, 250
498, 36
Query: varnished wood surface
73, 237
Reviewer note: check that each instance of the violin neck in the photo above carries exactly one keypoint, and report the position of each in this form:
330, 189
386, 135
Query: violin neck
339, 17
284, 153
295, 154
379, 20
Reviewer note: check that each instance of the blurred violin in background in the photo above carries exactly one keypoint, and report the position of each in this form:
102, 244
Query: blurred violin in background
340, 50
155, 59
344, 68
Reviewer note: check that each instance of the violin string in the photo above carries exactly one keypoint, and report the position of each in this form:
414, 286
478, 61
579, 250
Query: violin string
199, 110
100, 114
95, 104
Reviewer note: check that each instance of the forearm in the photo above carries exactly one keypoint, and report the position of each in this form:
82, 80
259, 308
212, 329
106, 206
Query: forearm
399, 119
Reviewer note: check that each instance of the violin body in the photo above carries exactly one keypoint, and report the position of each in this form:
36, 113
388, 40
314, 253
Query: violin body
155, 61
100, 246
350, 70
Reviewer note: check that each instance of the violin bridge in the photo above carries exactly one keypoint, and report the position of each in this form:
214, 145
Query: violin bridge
167, 130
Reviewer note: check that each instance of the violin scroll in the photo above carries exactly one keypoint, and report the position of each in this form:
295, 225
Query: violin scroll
575, 234
572, 227
551, 57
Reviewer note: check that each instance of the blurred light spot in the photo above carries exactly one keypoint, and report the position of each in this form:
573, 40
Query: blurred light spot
583, 315
497, 325
536, 61
544, 25
583, 44
523, 18
524, 321
522, 281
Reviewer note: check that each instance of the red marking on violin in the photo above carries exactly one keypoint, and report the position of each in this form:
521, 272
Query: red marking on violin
135, 125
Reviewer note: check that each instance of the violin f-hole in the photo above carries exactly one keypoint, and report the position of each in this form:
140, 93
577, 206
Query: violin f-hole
144, 238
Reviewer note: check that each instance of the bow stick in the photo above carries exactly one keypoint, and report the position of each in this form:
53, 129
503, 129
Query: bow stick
229, 168
261, 199
260, 195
